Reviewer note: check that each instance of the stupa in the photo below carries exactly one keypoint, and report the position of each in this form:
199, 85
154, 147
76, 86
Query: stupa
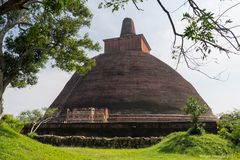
128, 93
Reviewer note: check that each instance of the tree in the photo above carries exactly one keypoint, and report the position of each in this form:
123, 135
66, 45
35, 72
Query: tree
40, 31
14, 5
229, 126
36, 117
195, 109
204, 32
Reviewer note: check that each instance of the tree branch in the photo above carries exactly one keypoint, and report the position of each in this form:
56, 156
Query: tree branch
170, 18
9, 26
227, 10
40, 123
12, 5
207, 42
134, 2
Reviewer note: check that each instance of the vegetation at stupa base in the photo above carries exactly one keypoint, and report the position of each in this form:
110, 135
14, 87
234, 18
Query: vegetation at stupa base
178, 145
206, 144
195, 109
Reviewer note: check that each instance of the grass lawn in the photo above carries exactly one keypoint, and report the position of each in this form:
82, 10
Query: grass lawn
140, 154
14, 146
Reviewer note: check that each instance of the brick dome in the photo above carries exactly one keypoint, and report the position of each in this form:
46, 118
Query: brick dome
127, 79
128, 83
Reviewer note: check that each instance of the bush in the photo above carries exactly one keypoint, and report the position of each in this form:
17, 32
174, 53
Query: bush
198, 130
195, 109
229, 126
12, 122
36, 117
206, 144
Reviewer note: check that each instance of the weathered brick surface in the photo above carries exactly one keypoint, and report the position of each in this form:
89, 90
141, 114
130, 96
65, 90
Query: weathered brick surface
126, 43
128, 83
128, 27
133, 85
118, 129
87, 115
156, 118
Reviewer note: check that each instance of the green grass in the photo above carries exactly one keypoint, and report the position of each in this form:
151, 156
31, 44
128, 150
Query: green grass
14, 146
207, 144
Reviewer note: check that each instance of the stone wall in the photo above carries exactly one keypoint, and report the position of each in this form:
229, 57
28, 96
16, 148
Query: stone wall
99, 142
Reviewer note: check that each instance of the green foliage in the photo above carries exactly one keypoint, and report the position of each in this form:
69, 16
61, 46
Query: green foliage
33, 116
196, 130
36, 117
30, 116
195, 109
49, 112
236, 132
32, 135
47, 30
206, 144
229, 126
15, 124
200, 28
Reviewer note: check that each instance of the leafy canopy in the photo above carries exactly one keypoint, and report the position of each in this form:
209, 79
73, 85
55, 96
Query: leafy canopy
30, 116
229, 126
45, 30
36, 117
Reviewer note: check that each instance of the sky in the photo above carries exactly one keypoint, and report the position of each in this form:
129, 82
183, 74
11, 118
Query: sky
221, 95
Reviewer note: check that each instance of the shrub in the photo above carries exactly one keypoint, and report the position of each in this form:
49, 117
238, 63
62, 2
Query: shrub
206, 144
229, 126
36, 117
195, 109
12, 122
32, 135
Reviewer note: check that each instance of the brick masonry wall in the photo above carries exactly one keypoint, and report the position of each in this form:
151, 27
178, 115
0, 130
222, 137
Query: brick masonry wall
126, 43
118, 129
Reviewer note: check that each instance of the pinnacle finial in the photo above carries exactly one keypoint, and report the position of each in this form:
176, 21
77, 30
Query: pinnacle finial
127, 27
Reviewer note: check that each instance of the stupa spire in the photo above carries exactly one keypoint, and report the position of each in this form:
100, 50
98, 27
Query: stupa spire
127, 27
128, 40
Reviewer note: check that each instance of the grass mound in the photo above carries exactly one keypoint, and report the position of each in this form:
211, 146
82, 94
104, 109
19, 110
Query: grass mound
15, 146
206, 144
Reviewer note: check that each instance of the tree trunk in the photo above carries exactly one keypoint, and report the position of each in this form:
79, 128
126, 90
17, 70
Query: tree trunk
1, 107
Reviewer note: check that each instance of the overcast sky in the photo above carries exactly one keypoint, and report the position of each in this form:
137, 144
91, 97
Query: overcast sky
221, 96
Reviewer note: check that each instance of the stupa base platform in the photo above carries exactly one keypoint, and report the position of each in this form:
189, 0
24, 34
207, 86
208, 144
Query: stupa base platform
119, 129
